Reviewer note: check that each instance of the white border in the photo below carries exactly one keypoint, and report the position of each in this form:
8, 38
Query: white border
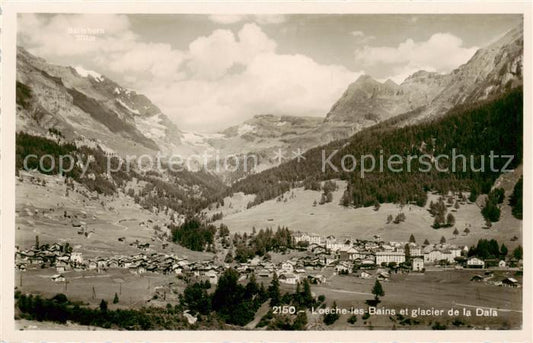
7, 185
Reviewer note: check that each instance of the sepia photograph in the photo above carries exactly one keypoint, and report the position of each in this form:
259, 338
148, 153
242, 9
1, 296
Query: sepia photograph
266, 171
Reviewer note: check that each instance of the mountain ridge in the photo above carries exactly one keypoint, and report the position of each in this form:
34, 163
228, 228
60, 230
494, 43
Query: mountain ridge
93, 109
90, 107
491, 70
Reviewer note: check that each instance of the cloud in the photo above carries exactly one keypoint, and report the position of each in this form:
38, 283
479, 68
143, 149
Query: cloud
361, 37
107, 38
218, 80
442, 52
270, 83
267, 82
212, 56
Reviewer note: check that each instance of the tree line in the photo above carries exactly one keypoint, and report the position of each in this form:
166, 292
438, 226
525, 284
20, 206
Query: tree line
474, 130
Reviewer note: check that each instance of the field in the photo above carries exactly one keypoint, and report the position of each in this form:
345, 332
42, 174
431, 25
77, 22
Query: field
133, 290
40, 212
299, 214
438, 289
441, 290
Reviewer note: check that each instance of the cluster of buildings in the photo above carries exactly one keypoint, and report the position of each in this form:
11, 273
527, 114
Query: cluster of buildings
63, 260
489, 276
367, 254
325, 256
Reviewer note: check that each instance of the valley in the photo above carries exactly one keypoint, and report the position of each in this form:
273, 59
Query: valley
153, 248
295, 210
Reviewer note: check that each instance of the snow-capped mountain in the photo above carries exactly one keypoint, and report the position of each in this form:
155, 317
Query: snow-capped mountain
86, 106
90, 108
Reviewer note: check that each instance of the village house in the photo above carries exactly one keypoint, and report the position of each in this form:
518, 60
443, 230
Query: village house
315, 239
58, 278
343, 268
287, 267
332, 244
389, 256
383, 275
387, 247
510, 282
367, 264
112, 264
477, 278
300, 237
415, 251
62, 266
475, 262
435, 256
418, 264
328, 259
212, 277
316, 279
76, 257
289, 278
365, 275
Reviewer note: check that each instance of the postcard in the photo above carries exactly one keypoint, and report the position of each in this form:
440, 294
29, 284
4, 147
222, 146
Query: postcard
266, 171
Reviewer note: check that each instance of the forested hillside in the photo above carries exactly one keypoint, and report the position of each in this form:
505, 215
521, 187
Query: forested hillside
184, 191
473, 130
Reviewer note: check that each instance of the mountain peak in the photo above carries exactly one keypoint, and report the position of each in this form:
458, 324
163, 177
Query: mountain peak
390, 83
516, 34
489, 72
85, 105
365, 78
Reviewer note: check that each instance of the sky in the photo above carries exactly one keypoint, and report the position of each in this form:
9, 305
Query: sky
208, 72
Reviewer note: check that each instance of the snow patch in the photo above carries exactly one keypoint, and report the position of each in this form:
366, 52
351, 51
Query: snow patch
85, 73
199, 139
116, 91
245, 128
281, 123
151, 127
127, 107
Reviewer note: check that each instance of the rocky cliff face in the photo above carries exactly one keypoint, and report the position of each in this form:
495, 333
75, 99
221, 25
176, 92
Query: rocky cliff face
89, 108
491, 71
368, 101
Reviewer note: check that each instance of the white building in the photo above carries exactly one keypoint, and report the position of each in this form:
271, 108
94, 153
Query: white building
287, 267
289, 278
212, 277
418, 264
76, 257
415, 251
475, 262
315, 239
301, 237
364, 275
435, 256
389, 256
